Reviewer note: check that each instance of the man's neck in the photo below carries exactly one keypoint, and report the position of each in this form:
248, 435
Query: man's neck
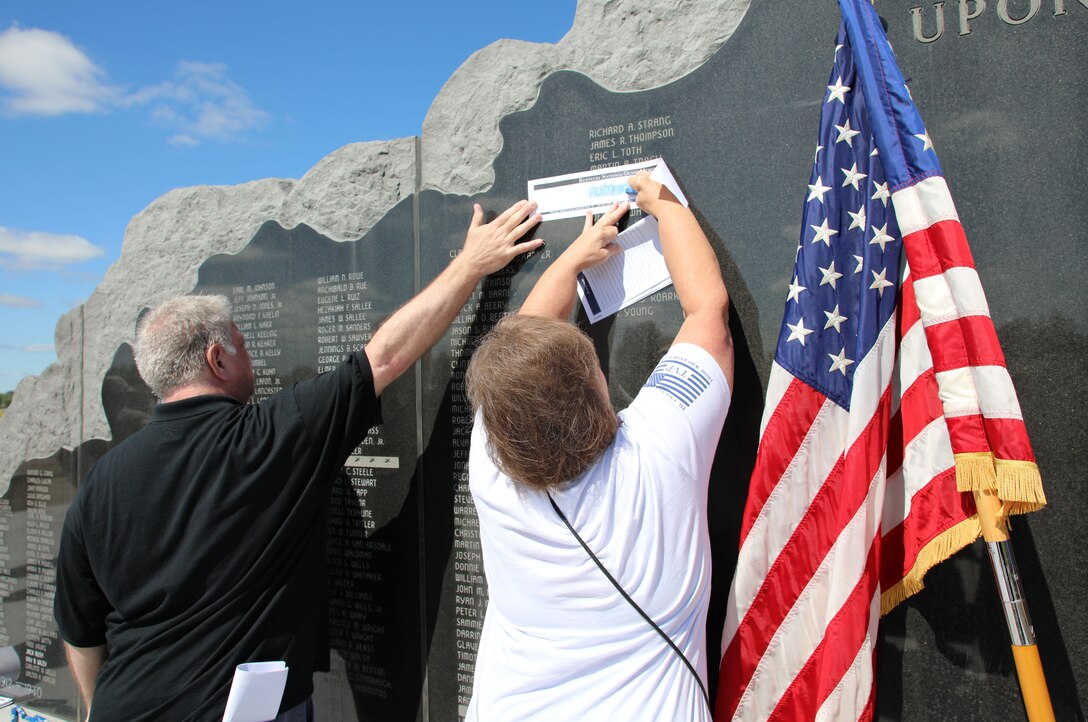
195, 389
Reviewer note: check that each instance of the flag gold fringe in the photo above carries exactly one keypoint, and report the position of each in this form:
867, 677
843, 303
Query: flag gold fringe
975, 471
1020, 486
1017, 483
936, 551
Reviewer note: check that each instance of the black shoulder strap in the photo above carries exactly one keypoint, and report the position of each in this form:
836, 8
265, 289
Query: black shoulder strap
644, 615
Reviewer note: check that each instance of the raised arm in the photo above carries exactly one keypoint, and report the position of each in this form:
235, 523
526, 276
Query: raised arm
695, 273
418, 325
553, 295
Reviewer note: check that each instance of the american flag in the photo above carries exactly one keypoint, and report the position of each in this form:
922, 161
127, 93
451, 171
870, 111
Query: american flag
888, 404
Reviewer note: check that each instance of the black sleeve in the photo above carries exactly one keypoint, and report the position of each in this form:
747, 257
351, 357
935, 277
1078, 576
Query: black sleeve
339, 407
80, 606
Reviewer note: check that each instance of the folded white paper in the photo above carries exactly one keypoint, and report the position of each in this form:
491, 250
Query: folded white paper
256, 692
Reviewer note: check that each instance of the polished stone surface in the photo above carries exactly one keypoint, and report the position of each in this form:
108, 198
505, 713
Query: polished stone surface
304, 303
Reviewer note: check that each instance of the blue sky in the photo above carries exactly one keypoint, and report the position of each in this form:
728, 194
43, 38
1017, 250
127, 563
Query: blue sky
104, 108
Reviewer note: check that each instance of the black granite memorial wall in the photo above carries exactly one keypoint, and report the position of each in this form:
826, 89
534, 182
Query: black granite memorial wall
1001, 87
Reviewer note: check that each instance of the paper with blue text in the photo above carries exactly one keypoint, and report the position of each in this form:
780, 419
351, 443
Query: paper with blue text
571, 195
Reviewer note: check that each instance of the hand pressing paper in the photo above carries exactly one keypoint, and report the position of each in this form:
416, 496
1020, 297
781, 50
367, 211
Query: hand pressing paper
256, 692
626, 277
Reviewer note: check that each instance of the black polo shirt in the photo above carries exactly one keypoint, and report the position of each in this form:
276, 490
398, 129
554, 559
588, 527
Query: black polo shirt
199, 543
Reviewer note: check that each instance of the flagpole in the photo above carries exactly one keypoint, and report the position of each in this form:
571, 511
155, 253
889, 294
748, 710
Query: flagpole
1025, 652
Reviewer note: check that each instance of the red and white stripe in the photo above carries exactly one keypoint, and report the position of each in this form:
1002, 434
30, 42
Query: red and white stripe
977, 393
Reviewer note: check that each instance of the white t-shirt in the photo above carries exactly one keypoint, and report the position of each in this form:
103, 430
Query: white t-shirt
559, 642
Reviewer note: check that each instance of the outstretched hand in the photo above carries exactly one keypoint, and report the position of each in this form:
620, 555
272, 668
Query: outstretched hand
651, 194
490, 246
597, 243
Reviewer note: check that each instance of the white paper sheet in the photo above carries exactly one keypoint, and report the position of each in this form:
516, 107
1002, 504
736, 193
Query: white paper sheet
638, 271
256, 692
626, 277
571, 195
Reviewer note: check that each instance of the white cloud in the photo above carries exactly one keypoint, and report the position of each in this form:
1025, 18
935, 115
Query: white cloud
37, 249
201, 103
44, 73
7, 300
182, 139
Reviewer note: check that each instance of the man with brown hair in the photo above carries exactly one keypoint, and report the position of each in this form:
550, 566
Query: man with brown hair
556, 478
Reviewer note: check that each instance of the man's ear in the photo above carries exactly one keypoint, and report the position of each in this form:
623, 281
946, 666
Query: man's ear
214, 358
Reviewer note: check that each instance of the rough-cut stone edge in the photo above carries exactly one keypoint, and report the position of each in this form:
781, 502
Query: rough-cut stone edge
620, 44
623, 46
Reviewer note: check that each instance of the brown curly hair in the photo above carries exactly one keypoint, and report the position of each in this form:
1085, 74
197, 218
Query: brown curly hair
536, 382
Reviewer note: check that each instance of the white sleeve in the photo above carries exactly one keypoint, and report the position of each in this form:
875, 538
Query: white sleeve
682, 407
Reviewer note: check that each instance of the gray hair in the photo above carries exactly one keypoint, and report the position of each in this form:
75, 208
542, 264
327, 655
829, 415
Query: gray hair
172, 339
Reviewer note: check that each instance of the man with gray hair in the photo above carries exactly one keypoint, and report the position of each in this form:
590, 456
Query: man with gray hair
172, 339
198, 543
